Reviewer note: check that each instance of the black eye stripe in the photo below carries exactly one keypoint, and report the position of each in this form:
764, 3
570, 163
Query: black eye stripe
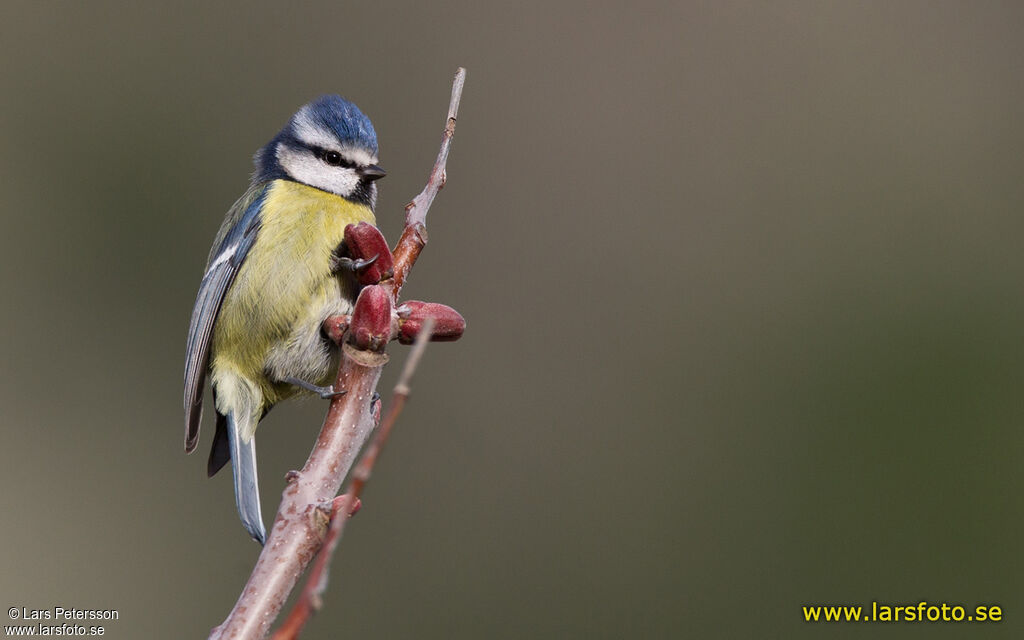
332, 158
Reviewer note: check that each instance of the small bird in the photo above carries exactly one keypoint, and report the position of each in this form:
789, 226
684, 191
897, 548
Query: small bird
277, 270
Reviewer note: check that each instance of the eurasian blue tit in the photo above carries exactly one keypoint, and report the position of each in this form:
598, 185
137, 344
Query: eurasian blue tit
277, 270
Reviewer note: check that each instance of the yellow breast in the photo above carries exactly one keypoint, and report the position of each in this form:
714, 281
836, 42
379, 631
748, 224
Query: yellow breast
284, 278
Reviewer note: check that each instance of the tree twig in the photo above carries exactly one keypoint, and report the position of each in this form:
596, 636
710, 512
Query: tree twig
310, 600
301, 524
414, 235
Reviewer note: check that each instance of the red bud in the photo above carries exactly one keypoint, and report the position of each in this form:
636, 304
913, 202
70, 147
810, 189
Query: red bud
370, 327
339, 503
364, 242
448, 323
335, 327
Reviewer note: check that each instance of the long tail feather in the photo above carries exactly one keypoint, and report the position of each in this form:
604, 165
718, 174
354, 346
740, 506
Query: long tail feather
247, 491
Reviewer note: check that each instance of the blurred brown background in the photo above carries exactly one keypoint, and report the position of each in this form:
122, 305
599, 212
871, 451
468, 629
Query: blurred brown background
743, 285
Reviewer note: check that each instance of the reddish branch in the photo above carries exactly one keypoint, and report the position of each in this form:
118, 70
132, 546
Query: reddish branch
309, 504
311, 598
414, 236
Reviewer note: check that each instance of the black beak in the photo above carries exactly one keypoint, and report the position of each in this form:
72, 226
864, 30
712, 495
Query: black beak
371, 172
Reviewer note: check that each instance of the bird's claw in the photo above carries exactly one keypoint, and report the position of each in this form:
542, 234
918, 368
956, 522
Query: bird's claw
343, 262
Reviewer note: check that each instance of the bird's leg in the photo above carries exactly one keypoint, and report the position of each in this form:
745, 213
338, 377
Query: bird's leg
326, 393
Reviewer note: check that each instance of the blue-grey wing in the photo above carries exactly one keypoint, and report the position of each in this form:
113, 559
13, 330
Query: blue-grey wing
236, 237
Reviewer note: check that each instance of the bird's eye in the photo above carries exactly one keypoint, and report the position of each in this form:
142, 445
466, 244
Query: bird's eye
332, 158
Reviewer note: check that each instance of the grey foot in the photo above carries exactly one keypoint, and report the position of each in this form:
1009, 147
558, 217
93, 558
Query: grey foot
324, 392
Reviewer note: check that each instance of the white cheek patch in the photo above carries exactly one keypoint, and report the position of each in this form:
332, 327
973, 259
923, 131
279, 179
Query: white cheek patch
306, 168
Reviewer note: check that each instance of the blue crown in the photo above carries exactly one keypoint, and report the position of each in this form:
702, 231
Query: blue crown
345, 119
330, 113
